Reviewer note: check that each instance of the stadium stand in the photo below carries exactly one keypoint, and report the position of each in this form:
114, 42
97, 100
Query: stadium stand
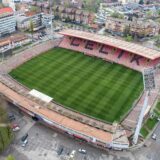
17, 93
91, 47
26, 55
116, 51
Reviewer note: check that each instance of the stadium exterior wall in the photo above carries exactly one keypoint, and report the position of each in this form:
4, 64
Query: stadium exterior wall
69, 132
45, 120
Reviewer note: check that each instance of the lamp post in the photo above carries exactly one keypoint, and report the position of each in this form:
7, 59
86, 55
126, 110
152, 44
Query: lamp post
50, 6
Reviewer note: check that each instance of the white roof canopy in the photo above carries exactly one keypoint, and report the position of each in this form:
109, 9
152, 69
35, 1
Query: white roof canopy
40, 95
126, 46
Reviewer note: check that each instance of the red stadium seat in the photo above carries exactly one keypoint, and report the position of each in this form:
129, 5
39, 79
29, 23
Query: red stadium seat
107, 53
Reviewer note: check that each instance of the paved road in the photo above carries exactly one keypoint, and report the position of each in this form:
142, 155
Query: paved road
151, 152
45, 142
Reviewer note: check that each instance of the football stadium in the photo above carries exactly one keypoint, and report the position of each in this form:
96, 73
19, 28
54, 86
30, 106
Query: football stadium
86, 85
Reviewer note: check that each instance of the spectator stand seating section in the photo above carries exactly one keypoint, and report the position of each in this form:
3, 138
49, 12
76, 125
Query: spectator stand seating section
107, 53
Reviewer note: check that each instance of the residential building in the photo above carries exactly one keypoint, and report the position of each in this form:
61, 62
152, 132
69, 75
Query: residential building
116, 26
6, 2
107, 9
73, 15
138, 27
13, 41
46, 19
39, 20
7, 21
24, 20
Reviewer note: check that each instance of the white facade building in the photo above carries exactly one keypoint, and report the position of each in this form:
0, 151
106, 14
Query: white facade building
128, 1
7, 21
46, 19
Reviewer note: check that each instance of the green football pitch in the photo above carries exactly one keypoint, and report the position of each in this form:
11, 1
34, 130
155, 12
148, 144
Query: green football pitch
86, 84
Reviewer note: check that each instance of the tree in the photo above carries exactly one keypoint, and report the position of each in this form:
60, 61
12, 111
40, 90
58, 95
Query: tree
126, 30
5, 130
34, 8
157, 41
3, 108
2, 141
148, 2
10, 157
149, 13
31, 28
117, 15
141, 2
91, 5
129, 38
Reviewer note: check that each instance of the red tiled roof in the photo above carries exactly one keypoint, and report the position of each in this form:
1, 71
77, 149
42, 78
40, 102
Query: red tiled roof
6, 10
30, 13
13, 38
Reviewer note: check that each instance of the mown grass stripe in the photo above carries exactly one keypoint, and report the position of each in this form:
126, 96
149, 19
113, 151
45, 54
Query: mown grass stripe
86, 84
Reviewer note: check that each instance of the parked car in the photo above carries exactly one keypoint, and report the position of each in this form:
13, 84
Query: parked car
24, 137
60, 150
15, 129
14, 125
43, 33
154, 136
82, 151
24, 143
72, 154
158, 119
11, 117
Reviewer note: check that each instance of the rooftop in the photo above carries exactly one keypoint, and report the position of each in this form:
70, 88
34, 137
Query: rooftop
13, 38
6, 10
126, 46
30, 13
55, 117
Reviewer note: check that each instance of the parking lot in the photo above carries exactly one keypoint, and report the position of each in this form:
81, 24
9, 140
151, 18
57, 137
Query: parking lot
47, 144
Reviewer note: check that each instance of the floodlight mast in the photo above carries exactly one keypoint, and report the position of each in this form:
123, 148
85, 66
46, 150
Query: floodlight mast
149, 84
140, 120
50, 6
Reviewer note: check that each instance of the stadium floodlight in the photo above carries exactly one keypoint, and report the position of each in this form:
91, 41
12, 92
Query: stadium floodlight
148, 79
149, 84
51, 23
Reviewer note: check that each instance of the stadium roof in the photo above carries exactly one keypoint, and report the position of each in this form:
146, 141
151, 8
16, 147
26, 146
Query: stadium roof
4, 42
52, 117
127, 46
40, 95
13, 38
55, 117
